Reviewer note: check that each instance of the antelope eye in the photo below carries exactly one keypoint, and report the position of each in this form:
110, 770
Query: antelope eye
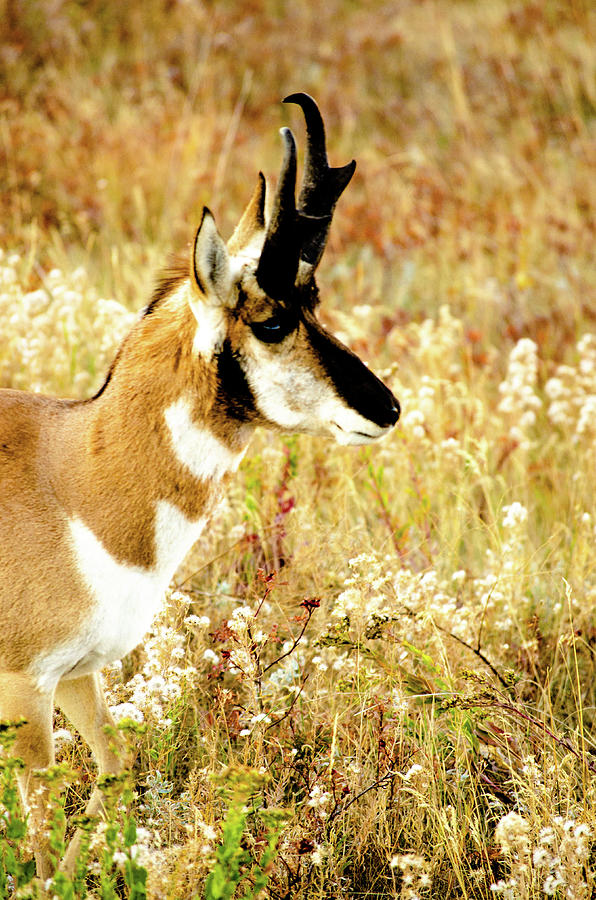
274, 329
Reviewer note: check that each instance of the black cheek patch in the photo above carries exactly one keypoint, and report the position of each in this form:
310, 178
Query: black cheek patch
233, 390
354, 383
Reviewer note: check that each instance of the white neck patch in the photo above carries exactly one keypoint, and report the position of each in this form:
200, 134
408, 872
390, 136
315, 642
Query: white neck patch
197, 448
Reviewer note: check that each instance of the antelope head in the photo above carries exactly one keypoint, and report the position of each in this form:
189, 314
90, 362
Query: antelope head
256, 303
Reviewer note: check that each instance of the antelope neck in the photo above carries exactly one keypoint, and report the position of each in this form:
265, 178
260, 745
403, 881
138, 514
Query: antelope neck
128, 472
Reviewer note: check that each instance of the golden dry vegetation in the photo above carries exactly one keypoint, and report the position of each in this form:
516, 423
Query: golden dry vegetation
414, 668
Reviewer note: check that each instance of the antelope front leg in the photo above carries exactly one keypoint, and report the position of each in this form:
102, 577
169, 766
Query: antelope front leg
83, 702
34, 744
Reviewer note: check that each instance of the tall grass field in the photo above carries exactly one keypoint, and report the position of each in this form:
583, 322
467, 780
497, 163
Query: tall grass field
375, 675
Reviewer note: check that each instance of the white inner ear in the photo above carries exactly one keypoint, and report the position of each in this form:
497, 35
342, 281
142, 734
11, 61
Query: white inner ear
212, 264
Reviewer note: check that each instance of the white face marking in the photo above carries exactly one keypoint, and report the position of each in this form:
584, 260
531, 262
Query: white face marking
298, 399
197, 448
211, 329
126, 597
244, 263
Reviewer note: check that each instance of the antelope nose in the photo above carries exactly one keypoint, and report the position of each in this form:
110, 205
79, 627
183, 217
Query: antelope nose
391, 412
388, 408
394, 412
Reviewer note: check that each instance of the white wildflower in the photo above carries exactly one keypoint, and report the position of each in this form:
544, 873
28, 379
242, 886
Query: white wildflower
317, 856
514, 516
62, 736
126, 711
193, 621
512, 833
414, 770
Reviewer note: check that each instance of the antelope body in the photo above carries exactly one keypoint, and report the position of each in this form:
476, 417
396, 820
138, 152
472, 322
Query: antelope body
101, 500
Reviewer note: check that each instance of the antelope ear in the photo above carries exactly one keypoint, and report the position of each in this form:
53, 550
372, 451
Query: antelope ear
210, 269
249, 233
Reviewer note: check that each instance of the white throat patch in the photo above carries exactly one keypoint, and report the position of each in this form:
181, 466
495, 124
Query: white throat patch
197, 448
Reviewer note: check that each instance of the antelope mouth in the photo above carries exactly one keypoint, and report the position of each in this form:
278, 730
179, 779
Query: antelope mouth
355, 438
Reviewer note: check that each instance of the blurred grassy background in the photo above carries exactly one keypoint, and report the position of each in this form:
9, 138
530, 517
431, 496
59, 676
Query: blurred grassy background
471, 124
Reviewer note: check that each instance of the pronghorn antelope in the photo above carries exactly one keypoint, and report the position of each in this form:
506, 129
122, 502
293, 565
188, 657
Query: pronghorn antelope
101, 499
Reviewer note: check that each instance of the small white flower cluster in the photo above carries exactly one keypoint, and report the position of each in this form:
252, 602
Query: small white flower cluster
320, 800
498, 593
141, 851
193, 621
376, 592
210, 835
430, 412
438, 343
318, 855
512, 833
125, 710
557, 861
416, 773
437, 405
514, 517
433, 599
340, 662
211, 657
347, 603
533, 781
242, 658
508, 888
572, 393
414, 877
365, 593
240, 620
149, 694
62, 738
59, 338
519, 400
420, 409
562, 852
286, 675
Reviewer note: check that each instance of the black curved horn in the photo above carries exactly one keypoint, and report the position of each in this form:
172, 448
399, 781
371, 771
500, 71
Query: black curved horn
278, 263
322, 185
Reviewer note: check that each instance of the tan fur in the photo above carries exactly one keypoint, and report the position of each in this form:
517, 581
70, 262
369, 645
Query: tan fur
251, 226
109, 484
61, 459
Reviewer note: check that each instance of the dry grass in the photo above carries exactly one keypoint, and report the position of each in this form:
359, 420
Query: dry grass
433, 732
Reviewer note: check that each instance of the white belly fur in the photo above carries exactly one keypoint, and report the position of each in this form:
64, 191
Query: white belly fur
126, 597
